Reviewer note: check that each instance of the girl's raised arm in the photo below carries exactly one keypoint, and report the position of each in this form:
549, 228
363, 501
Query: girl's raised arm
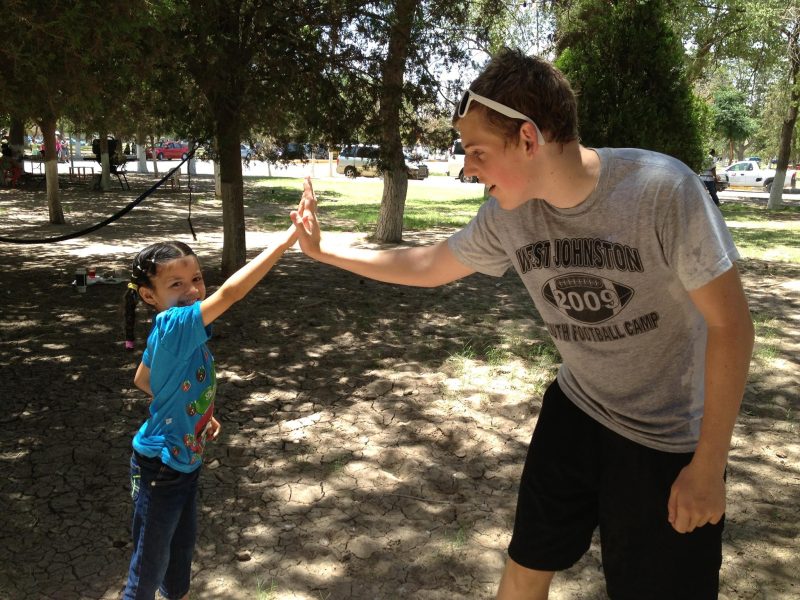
238, 285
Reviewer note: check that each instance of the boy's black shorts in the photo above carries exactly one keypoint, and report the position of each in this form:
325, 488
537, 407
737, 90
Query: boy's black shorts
578, 475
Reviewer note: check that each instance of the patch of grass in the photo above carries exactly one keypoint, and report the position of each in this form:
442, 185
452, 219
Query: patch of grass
496, 356
767, 343
266, 591
459, 539
338, 464
451, 542
460, 361
777, 240
768, 244
535, 350
741, 211
354, 205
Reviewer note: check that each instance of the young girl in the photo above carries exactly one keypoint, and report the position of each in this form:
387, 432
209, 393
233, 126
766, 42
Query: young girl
177, 371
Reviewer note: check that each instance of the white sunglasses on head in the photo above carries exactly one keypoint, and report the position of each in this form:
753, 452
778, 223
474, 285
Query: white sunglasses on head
469, 96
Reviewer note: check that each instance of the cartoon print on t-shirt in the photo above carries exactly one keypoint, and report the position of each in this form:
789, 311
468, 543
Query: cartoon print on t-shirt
196, 442
200, 406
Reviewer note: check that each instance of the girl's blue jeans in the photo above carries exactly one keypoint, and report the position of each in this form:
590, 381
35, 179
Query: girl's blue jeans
164, 529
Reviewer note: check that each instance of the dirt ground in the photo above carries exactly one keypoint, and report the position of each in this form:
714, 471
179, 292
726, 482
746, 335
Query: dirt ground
373, 436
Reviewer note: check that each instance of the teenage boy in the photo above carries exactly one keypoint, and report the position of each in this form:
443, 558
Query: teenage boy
632, 271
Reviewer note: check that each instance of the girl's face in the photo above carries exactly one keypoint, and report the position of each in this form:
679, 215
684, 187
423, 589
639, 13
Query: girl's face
178, 282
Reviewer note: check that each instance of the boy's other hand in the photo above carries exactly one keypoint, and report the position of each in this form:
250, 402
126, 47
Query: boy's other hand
697, 498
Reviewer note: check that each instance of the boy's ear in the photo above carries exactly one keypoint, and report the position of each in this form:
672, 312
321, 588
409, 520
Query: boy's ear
147, 294
527, 135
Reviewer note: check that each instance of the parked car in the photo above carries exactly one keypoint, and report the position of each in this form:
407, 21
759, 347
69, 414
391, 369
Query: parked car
297, 151
748, 173
455, 163
168, 150
361, 159
245, 151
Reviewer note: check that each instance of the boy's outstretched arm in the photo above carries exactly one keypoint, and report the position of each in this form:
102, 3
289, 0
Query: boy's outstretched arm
424, 266
698, 494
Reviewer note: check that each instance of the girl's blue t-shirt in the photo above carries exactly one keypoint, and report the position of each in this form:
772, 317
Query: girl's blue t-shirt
184, 384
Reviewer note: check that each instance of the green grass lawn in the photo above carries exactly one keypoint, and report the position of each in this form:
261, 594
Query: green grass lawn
354, 205
742, 211
764, 235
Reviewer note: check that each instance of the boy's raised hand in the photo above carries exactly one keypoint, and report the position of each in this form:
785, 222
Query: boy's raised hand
305, 220
308, 200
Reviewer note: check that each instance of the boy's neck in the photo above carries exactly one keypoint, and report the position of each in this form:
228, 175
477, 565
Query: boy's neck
571, 173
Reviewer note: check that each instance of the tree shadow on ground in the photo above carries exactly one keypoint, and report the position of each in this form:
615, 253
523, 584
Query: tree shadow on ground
370, 448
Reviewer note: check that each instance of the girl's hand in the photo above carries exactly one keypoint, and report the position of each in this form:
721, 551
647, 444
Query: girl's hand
213, 429
288, 237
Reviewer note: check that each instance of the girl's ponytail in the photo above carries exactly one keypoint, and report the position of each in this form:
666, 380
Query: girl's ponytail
130, 300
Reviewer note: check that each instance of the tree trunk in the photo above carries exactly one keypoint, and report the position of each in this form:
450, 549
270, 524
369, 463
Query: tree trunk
217, 181
141, 149
390, 220
72, 148
16, 136
395, 177
51, 171
234, 248
191, 166
787, 129
105, 162
77, 153
153, 154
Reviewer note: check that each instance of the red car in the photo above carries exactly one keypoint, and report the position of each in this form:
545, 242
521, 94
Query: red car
168, 150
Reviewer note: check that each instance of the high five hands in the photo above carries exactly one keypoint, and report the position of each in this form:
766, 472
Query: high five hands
305, 220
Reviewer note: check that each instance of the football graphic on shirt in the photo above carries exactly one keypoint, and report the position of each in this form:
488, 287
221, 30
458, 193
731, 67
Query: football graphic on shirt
586, 298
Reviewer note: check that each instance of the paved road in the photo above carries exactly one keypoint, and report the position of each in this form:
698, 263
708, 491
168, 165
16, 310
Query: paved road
324, 169
318, 168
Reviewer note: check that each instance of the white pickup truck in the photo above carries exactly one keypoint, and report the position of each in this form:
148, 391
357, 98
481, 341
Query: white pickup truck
748, 173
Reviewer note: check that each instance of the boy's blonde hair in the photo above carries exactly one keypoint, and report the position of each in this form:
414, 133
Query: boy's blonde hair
531, 86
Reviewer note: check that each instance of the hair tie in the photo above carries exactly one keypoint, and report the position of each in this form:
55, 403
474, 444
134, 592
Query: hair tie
133, 286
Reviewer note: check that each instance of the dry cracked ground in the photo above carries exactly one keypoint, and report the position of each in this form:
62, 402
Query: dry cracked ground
373, 435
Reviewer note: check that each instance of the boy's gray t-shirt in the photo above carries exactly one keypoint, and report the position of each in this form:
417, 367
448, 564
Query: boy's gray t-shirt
610, 278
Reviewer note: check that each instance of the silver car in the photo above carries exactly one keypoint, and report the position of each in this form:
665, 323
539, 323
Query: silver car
362, 159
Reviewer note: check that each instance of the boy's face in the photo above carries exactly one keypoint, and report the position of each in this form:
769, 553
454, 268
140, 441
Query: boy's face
178, 282
503, 166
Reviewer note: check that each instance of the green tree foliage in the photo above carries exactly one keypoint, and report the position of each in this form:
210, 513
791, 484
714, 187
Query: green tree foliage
731, 117
239, 67
389, 59
627, 66
73, 60
524, 24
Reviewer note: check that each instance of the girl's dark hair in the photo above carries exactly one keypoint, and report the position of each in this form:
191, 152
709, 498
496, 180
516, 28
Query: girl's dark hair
144, 267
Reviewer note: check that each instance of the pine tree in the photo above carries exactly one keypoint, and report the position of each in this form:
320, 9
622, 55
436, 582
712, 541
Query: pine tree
627, 66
